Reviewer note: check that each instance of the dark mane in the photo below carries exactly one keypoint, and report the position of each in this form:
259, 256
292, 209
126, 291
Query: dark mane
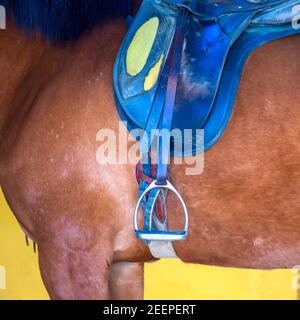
64, 20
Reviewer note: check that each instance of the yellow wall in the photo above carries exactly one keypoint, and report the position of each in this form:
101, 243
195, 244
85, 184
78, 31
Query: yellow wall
176, 280
167, 279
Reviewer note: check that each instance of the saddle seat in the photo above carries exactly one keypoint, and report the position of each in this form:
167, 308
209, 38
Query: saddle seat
179, 68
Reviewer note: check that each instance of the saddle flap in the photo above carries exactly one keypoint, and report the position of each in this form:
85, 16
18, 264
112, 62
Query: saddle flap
214, 52
145, 50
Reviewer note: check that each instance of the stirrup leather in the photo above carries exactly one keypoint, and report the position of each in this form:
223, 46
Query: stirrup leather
161, 118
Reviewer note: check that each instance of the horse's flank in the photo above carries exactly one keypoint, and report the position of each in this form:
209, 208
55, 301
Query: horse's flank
244, 208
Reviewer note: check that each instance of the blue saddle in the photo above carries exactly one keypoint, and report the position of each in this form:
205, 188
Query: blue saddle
195, 53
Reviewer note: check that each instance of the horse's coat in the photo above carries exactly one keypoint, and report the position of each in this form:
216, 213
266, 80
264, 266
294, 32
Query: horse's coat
244, 208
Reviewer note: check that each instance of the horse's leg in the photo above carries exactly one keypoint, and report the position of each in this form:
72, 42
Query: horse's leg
74, 275
126, 281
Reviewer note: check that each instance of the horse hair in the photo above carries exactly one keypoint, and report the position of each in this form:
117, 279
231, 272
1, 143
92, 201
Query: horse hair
64, 20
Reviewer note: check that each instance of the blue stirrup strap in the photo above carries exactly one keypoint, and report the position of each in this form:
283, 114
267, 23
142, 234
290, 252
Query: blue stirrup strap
161, 118
167, 117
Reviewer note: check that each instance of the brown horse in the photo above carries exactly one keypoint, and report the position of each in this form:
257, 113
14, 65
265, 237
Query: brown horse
244, 209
